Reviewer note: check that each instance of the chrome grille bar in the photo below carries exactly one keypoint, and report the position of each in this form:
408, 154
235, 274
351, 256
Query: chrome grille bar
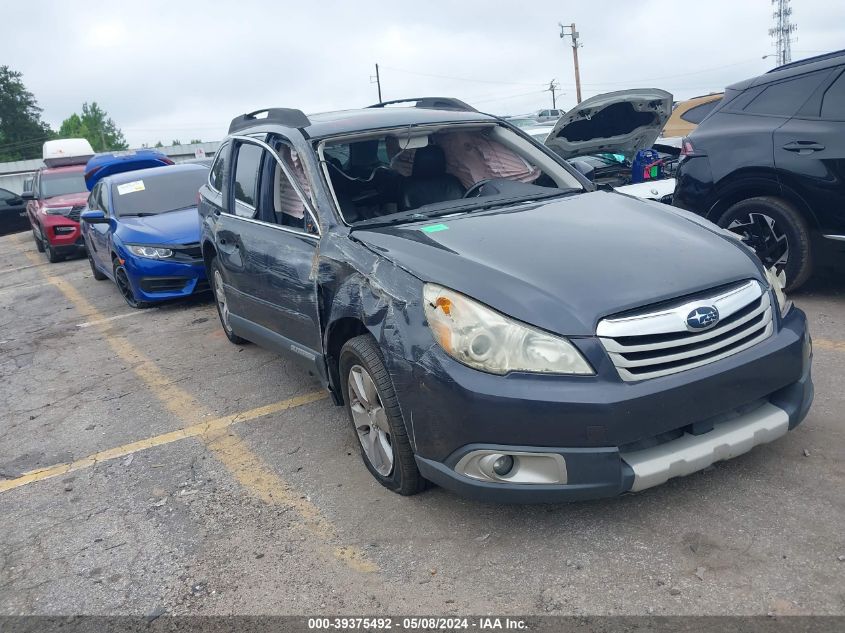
658, 343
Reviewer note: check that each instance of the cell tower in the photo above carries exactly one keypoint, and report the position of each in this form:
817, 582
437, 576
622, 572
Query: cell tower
782, 31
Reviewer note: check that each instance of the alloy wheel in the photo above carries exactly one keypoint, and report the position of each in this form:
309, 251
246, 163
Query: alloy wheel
222, 304
763, 234
122, 281
370, 420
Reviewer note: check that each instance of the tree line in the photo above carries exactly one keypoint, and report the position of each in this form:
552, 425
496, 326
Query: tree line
23, 132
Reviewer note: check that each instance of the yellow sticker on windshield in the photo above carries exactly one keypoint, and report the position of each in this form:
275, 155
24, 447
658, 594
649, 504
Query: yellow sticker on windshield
130, 187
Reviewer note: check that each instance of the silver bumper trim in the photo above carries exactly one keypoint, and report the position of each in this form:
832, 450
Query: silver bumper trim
691, 453
841, 238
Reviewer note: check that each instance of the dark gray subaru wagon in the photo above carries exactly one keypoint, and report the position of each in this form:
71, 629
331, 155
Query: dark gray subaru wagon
491, 322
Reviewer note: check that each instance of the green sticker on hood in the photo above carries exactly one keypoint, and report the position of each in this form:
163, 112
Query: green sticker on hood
433, 228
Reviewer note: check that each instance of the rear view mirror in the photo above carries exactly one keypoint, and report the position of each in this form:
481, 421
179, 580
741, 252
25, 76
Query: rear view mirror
27, 195
93, 216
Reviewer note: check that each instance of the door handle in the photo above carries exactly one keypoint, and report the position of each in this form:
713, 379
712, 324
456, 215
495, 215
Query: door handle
803, 147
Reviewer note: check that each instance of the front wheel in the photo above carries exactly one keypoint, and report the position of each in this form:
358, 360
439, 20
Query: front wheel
373, 409
778, 234
121, 280
222, 302
52, 255
38, 243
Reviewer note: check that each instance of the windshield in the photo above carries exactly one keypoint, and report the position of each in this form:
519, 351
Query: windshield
438, 170
151, 194
62, 184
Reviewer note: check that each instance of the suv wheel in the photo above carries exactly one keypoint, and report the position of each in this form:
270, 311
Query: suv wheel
121, 280
52, 255
222, 302
373, 409
776, 232
38, 243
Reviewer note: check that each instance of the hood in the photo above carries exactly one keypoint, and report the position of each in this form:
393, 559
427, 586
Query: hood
621, 122
565, 264
176, 227
66, 200
102, 165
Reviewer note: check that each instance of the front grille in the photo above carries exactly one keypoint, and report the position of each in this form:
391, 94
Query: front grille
75, 211
652, 344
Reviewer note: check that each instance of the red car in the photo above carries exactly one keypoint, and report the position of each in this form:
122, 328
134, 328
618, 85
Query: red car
57, 198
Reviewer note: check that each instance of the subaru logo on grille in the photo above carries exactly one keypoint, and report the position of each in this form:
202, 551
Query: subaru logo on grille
702, 318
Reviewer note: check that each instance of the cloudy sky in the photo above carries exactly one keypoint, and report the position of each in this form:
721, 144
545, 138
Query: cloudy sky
181, 69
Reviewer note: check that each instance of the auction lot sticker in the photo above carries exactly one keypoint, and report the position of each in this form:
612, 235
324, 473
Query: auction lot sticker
130, 187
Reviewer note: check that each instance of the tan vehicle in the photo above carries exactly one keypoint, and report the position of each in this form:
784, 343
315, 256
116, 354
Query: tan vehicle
688, 114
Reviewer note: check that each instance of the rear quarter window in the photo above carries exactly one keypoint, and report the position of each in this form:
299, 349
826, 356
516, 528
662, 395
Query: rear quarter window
784, 98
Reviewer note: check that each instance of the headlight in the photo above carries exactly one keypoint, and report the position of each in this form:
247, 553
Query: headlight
777, 281
151, 252
57, 210
484, 339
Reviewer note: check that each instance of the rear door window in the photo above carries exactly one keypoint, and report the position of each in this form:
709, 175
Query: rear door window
247, 166
833, 104
785, 97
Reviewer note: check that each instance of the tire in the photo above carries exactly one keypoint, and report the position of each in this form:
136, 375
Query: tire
99, 276
121, 280
52, 255
38, 243
360, 357
219, 292
778, 234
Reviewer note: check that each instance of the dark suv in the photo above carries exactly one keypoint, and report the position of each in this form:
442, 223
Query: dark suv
490, 321
769, 165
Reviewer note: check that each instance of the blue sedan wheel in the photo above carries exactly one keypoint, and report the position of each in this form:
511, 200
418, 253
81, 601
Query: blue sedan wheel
121, 279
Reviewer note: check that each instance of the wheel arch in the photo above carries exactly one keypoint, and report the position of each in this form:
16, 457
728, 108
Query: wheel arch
338, 332
756, 184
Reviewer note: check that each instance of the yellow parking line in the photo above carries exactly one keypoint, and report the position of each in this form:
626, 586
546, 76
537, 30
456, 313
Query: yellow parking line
828, 344
247, 468
159, 440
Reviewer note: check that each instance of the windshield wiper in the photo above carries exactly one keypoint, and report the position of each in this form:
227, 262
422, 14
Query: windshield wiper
477, 204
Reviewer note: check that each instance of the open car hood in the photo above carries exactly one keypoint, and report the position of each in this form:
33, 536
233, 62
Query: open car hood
621, 122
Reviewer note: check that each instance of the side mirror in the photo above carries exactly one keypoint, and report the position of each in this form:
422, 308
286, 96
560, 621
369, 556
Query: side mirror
93, 216
585, 169
28, 195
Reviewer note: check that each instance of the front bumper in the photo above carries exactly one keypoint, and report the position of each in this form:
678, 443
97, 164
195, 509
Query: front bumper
614, 437
63, 234
158, 280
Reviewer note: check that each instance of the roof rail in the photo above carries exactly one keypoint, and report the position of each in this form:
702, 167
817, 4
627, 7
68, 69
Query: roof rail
288, 117
808, 60
431, 103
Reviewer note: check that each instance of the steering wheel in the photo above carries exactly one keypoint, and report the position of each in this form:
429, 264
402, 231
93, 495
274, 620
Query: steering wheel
475, 188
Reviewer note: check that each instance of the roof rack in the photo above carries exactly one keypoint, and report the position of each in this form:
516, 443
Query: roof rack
288, 117
431, 103
808, 60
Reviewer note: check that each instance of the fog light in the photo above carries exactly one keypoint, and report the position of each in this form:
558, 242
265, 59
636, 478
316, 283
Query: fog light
503, 465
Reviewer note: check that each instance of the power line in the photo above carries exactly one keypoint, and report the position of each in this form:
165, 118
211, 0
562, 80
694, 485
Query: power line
481, 81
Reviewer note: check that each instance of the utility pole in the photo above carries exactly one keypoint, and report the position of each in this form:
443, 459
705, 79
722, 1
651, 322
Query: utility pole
782, 31
573, 33
553, 87
375, 79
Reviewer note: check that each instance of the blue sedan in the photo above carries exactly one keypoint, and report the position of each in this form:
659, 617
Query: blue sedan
141, 230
